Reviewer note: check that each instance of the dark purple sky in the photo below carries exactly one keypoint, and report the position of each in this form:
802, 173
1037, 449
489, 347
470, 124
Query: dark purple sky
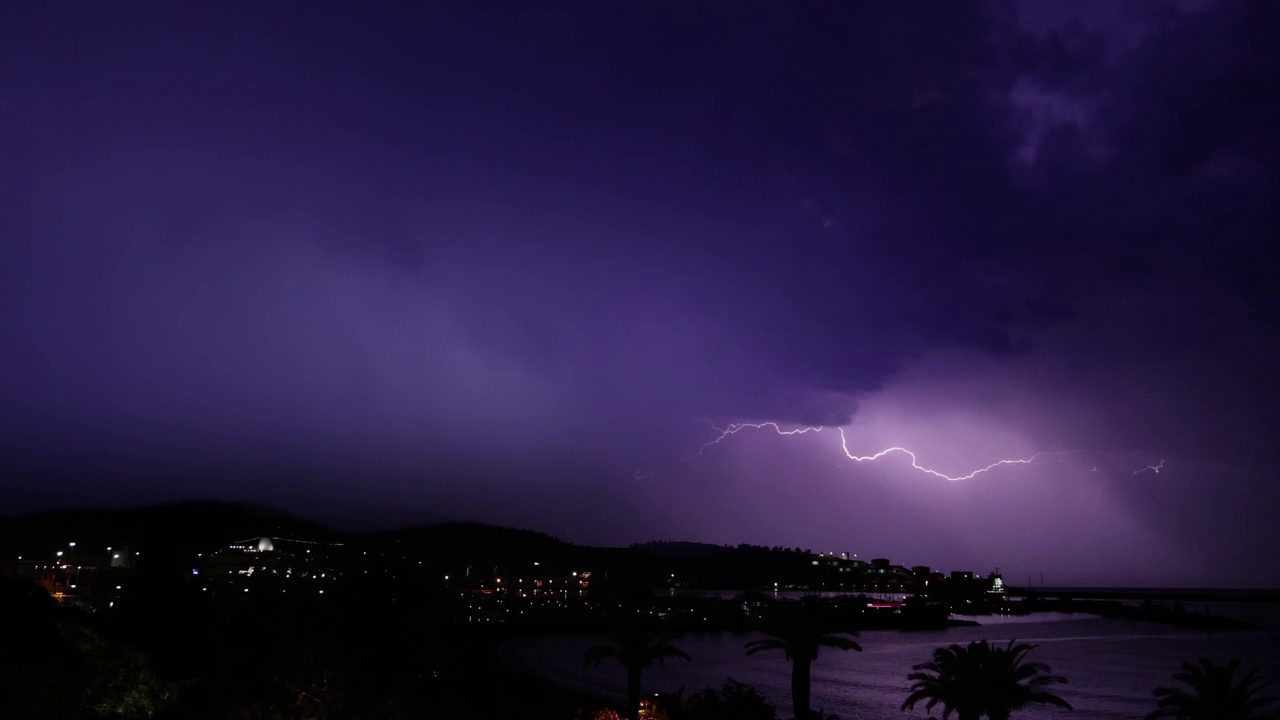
382, 265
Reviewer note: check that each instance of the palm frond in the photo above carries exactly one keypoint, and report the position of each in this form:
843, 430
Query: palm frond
756, 646
596, 653
839, 642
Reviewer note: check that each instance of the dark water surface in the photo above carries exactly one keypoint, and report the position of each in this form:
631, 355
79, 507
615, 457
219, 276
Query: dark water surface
1112, 665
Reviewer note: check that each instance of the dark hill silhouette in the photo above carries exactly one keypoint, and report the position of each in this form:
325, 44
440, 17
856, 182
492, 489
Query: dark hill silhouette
169, 537
468, 534
169, 540
200, 524
680, 549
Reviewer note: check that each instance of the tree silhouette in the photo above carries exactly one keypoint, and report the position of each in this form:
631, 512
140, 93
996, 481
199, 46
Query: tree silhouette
636, 648
799, 630
733, 700
1216, 693
982, 679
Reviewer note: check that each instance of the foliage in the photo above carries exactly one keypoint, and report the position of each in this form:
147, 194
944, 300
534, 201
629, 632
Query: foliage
1216, 692
982, 680
121, 681
731, 701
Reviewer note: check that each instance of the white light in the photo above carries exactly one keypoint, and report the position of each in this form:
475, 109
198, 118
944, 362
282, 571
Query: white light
117, 587
246, 589
446, 577
73, 587
59, 553
111, 604
321, 592
71, 544
115, 557
195, 571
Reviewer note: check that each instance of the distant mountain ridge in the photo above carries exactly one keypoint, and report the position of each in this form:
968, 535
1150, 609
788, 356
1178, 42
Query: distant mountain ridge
202, 525
680, 549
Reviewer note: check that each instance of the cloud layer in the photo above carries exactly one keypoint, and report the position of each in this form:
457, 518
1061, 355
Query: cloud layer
494, 264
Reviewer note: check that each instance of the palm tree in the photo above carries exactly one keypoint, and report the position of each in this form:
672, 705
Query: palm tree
799, 630
1216, 693
636, 647
982, 679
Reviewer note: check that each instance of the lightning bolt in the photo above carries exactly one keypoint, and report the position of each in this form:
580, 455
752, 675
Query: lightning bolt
735, 428
844, 445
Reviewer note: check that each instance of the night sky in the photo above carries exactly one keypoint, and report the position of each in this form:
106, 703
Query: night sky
381, 264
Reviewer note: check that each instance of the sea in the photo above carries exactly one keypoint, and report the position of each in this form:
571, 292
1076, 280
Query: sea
1112, 666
